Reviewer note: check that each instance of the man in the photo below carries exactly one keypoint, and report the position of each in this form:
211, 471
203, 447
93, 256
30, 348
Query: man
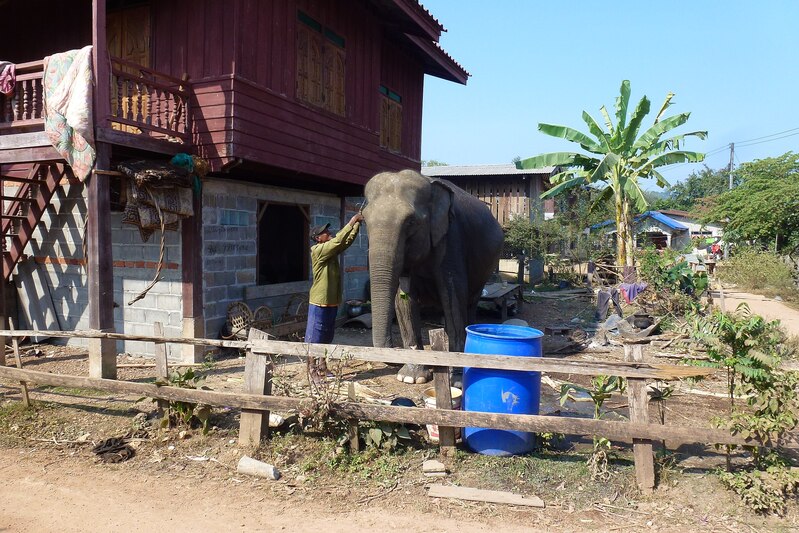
325, 295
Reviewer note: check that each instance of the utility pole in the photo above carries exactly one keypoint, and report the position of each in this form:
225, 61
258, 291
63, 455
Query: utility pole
732, 161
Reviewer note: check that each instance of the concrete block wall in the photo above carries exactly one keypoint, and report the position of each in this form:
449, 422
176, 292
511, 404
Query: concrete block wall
230, 246
57, 248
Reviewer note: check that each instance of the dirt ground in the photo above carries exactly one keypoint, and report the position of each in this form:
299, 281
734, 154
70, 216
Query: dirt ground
182, 480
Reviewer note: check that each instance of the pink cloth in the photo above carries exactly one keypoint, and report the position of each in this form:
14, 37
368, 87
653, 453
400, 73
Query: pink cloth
8, 77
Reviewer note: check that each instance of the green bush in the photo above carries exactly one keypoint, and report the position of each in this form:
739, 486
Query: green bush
754, 269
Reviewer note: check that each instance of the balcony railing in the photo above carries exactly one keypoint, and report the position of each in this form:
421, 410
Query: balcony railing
23, 110
143, 102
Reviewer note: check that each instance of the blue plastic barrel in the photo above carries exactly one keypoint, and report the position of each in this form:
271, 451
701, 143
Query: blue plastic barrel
501, 391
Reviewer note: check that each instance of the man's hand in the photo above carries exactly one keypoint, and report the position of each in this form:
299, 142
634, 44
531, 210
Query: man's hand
357, 218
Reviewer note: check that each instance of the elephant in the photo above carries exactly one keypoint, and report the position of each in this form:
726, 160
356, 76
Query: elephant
430, 243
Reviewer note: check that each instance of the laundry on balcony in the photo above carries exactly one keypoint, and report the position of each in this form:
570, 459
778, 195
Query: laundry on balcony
7, 78
68, 93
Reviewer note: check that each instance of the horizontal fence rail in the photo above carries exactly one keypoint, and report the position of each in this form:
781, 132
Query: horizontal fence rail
617, 431
399, 355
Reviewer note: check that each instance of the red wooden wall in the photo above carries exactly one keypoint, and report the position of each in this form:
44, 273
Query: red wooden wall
240, 56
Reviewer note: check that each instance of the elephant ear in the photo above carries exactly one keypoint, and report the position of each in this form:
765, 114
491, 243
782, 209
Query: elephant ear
440, 210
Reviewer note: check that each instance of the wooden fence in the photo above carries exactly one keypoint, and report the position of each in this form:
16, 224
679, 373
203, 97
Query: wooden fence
256, 400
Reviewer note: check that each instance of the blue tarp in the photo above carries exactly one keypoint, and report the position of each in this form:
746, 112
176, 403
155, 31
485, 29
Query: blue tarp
656, 215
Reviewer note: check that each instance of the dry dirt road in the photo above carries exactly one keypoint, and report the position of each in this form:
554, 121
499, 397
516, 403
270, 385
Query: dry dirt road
766, 307
44, 494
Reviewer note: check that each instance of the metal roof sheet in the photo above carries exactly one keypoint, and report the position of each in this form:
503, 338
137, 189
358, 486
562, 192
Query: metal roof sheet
482, 170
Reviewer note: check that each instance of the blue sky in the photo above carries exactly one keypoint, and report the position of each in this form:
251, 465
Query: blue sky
734, 65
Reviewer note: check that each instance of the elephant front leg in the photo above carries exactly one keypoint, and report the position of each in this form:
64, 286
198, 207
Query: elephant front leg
410, 324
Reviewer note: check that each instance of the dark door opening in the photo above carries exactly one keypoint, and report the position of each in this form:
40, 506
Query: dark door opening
282, 245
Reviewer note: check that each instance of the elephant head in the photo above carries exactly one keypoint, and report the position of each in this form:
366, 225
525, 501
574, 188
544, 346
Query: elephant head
408, 216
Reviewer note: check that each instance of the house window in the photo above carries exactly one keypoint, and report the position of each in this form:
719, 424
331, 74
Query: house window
282, 244
390, 119
320, 65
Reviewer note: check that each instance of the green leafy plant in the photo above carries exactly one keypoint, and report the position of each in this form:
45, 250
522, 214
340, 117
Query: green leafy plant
602, 388
617, 156
760, 271
385, 435
188, 413
767, 489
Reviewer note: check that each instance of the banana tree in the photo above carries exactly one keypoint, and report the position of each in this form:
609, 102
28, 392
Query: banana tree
618, 157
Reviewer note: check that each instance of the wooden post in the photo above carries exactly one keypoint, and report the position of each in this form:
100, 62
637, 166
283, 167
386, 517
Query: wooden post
3, 317
102, 352
639, 413
254, 425
192, 278
23, 384
446, 435
161, 366
355, 441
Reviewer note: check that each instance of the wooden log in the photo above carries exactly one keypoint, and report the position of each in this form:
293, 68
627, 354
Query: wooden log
439, 341
616, 431
161, 367
639, 412
480, 495
254, 424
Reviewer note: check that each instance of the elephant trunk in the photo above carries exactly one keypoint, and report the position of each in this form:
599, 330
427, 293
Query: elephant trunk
385, 264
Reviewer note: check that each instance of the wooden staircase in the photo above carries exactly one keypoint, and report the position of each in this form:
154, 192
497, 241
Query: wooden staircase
19, 214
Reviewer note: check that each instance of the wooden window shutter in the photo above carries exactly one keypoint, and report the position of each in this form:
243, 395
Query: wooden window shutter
315, 70
395, 111
334, 80
384, 121
303, 64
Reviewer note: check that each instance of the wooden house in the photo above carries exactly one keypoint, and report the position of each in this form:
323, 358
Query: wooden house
506, 190
293, 105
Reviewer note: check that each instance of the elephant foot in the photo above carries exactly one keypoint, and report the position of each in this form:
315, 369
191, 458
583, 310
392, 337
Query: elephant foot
414, 374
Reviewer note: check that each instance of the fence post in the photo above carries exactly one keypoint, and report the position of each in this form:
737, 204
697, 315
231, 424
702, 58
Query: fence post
161, 366
254, 425
446, 435
639, 413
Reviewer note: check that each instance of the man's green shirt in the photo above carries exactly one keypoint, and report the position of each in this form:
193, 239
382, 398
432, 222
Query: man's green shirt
326, 287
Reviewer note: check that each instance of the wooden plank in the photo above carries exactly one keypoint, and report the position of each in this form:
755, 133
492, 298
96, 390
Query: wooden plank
29, 155
25, 140
639, 412
439, 341
434, 358
161, 366
142, 142
93, 334
396, 355
616, 431
481, 495
254, 424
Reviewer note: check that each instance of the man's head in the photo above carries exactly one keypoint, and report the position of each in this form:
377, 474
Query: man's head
321, 233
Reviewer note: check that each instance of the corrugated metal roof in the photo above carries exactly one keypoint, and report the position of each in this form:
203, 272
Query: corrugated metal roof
482, 170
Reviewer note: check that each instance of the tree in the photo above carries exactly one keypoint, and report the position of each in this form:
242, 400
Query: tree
619, 157
705, 183
764, 208
433, 163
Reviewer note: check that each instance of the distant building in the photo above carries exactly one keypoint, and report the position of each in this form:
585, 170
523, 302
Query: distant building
506, 190
668, 228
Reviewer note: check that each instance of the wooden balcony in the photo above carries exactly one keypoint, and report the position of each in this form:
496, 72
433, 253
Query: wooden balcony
148, 109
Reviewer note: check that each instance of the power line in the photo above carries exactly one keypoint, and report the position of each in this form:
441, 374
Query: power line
769, 140
766, 136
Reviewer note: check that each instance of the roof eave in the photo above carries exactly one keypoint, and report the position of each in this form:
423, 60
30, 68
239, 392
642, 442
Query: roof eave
411, 17
438, 63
